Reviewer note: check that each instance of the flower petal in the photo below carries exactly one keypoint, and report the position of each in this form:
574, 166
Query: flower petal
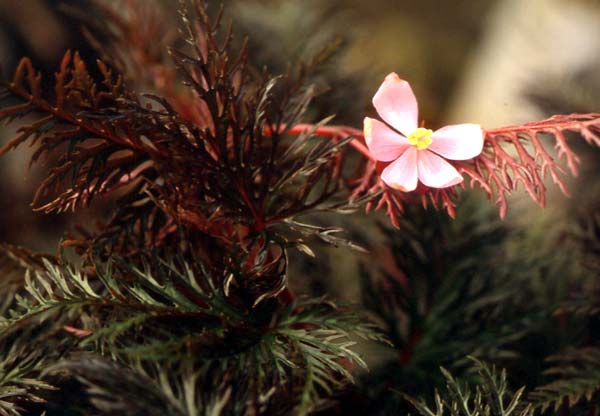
383, 143
435, 172
396, 104
457, 142
402, 174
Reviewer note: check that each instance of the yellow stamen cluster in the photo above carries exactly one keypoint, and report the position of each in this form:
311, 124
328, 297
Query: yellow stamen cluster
421, 138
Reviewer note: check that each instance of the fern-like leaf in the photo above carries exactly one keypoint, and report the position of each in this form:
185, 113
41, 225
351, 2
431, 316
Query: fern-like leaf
490, 397
166, 390
169, 309
516, 155
576, 373
15, 263
88, 126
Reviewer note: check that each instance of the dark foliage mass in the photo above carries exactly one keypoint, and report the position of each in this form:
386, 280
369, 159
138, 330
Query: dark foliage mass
176, 301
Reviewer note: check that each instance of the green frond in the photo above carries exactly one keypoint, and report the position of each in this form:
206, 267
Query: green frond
576, 379
586, 300
490, 397
128, 297
22, 363
167, 390
442, 290
323, 338
167, 309
15, 264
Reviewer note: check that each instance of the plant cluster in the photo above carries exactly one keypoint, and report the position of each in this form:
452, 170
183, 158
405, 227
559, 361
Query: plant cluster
179, 303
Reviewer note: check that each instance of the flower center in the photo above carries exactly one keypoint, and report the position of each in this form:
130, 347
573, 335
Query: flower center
421, 138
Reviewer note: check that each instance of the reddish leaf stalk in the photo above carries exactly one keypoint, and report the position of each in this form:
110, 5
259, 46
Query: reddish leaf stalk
332, 132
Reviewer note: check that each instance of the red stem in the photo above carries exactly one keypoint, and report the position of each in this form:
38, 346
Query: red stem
332, 132
259, 222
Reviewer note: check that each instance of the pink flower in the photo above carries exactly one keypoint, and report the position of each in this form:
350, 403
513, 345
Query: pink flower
418, 154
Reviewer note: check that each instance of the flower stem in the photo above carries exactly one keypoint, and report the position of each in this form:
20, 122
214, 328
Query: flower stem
332, 132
